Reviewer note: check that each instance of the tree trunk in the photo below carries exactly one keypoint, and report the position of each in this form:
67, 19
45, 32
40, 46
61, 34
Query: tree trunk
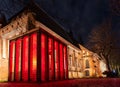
108, 63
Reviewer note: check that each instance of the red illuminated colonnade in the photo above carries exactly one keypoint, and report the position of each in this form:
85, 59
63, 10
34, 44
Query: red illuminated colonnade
37, 57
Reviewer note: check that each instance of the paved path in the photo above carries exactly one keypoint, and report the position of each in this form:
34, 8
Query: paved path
102, 82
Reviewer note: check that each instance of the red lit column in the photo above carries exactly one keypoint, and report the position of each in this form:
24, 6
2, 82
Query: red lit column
18, 60
43, 57
61, 62
33, 57
65, 62
51, 59
25, 52
56, 58
11, 61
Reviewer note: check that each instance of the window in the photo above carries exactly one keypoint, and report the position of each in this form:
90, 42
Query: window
69, 62
75, 62
80, 64
73, 59
87, 64
87, 73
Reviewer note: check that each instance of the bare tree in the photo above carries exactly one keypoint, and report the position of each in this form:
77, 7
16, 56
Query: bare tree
115, 7
103, 41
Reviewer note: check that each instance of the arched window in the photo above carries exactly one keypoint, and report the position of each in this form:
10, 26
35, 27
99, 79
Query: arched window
87, 73
87, 64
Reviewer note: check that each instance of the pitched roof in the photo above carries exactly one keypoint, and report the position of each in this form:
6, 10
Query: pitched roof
48, 21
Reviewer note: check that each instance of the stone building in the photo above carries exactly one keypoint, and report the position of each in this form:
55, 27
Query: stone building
33, 47
93, 65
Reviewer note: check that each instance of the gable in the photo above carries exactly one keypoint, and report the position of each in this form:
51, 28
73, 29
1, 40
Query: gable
45, 19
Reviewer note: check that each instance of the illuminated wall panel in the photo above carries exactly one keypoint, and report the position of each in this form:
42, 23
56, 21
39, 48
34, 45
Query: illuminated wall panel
11, 60
51, 58
25, 51
43, 57
33, 57
56, 56
61, 62
52, 61
65, 62
18, 60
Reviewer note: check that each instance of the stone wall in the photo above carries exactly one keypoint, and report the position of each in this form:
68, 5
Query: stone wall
3, 69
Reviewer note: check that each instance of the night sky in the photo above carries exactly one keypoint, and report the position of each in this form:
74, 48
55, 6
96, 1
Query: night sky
78, 16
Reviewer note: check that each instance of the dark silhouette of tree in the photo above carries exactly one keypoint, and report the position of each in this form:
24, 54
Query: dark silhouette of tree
104, 41
115, 7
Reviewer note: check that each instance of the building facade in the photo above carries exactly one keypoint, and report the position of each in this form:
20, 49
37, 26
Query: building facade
35, 48
93, 65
